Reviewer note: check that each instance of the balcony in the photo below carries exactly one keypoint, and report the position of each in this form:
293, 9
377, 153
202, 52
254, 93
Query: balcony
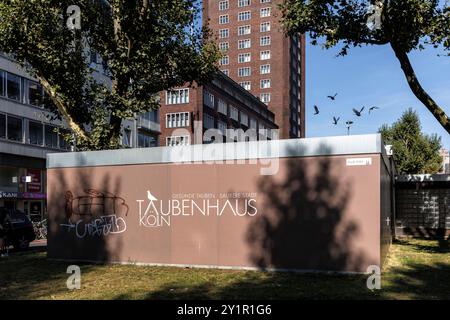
149, 125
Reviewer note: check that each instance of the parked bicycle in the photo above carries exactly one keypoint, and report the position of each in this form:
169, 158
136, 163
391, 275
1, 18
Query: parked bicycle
40, 229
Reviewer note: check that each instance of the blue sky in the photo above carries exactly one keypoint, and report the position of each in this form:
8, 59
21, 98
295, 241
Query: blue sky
371, 76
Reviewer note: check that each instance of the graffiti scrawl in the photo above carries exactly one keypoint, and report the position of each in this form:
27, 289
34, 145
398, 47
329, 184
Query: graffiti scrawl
95, 213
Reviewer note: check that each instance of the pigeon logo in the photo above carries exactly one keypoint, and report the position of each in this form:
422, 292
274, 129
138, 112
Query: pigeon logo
150, 217
154, 212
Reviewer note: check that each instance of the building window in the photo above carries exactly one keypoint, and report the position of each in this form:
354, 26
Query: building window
244, 57
177, 120
244, 44
177, 96
34, 94
224, 19
15, 132
244, 72
222, 107
243, 30
265, 83
223, 46
51, 137
223, 33
222, 126
126, 138
253, 123
265, 55
264, 41
208, 99
244, 119
2, 126
177, 141
63, 144
36, 133
244, 16
2, 83
264, 27
243, 3
146, 141
265, 97
225, 60
226, 72
13, 87
224, 5
265, 69
265, 1
208, 121
234, 113
265, 12
247, 85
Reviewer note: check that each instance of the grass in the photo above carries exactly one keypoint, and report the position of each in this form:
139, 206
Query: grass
417, 269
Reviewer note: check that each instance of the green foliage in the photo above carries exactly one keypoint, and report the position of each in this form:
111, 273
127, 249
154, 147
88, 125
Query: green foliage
405, 25
146, 46
414, 152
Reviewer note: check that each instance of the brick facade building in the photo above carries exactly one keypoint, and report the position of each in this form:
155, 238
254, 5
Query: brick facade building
258, 56
220, 104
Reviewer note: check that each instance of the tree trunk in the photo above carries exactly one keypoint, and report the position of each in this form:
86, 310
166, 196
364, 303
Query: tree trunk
418, 90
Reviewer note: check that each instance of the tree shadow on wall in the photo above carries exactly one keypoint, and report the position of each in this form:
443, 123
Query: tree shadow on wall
301, 222
79, 228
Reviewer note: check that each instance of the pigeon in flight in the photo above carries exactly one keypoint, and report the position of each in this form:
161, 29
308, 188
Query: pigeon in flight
332, 97
358, 113
316, 109
373, 108
336, 120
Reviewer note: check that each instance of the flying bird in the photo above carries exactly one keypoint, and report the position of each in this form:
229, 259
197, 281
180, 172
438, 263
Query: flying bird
332, 97
358, 113
373, 108
316, 109
336, 120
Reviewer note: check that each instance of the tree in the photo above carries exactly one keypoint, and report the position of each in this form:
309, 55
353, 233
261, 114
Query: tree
414, 152
146, 47
405, 25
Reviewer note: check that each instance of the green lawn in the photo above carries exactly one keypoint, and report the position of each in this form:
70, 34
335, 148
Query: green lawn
416, 269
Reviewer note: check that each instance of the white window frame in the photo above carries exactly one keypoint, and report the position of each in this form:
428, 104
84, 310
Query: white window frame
265, 84
242, 74
265, 26
242, 44
174, 139
225, 60
244, 57
247, 85
244, 3
262, 53
266, 94
224, 33
246, 27
244, 15
265, 12
224, 46
182, 98
224, 5
224, 19
264, 41
263, 66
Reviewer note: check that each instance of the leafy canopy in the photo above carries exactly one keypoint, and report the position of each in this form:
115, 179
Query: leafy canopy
414, 152
405, 25
146, 47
